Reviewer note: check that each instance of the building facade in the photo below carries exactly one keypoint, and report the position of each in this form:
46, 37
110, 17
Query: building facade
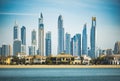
48, 43
60, 35
16, 47
117, 48
23, 35
93, 38
77, 45
31, 50
84, 41
5, 50
15, 31
41, 36
67, 43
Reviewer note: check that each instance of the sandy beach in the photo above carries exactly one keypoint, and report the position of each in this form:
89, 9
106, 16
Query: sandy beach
59, 66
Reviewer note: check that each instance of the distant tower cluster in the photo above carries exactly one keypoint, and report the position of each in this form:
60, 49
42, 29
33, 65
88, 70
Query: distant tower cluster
60, 35
19, 46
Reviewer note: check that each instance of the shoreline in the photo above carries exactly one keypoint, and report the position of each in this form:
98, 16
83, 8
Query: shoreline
59, 66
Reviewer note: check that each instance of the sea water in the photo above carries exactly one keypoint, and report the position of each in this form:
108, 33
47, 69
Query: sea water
60, 74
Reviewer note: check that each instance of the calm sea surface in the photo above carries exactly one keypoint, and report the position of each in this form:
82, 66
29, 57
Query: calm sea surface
60, 74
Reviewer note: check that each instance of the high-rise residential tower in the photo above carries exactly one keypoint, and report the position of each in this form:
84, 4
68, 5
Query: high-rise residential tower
23, 39
92, 37
33, 38
15, 31
77, 45
67, 43
84, 41
23, 35
6, 50
48, 43
41, 35
60, 35
33, 42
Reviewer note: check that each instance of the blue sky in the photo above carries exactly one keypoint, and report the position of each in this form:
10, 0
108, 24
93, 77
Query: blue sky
75, 14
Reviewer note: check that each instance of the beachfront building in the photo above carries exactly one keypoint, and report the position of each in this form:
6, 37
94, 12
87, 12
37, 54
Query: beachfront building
113, 59
60, 59
85, 59
37, 59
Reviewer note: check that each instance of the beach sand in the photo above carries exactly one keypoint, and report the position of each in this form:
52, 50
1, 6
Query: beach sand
59, 66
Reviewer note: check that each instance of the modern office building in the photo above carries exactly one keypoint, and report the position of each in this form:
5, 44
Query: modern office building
92, 38
23, 35
67, 43
33, 38
109, 51
31, 50
60, 35
117, 47
48, 43
16, 47
84, 41
77, 45
5, 50
71, 46
15, 31
41, 36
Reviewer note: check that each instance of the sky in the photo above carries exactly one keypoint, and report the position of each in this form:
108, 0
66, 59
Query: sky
75, 14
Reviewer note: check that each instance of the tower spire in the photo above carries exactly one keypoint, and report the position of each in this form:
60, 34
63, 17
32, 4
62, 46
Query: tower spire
41, 15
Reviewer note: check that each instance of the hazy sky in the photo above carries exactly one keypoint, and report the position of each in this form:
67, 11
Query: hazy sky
75, 14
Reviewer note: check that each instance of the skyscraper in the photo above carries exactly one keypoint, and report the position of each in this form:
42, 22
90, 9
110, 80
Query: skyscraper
92, 37
15, 31
60, 35
33, 42
77, 45
23, 35
48, 43
117, 48
84, 41
5, 50
33, 37
23, 39
67, 43
16, 47
41, 36
71, 46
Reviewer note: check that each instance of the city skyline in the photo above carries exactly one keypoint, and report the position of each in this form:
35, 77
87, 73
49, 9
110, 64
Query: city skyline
73, 22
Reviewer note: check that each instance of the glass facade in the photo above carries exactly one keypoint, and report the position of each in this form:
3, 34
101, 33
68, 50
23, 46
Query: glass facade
60, 35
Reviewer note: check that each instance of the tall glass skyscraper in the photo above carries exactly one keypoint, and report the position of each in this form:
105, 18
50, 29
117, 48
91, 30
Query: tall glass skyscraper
23, 35
84, 41
48, 43
32, 48
67, 43
33, 38
15, 31
77, 45
5, 50
41, 36
92, 37
23, 39
60, 35
16, 47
